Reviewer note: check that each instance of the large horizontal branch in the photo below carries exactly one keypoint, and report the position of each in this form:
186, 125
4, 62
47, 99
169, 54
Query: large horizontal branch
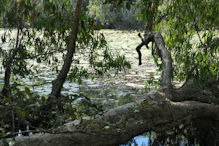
192, 90
120, 124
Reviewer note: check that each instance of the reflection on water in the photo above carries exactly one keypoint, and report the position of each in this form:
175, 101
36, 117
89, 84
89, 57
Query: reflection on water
146, 141
199, 132
138, 141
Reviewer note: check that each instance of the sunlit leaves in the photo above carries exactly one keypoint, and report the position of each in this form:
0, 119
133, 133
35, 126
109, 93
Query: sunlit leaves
76, 74
190, 31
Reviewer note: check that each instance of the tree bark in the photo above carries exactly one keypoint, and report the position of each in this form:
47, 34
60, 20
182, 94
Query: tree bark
164, 54
119, 125
58, 83
166, 61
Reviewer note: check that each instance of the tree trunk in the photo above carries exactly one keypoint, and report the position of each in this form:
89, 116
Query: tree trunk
119, 125
6, 89
58, 83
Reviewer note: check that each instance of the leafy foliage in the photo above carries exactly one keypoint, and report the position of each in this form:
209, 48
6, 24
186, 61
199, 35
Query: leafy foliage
193, 58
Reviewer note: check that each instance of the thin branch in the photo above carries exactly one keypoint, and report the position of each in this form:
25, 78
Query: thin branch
138, 48
13, 123
41, 54
9, 63
160, 18
196, 26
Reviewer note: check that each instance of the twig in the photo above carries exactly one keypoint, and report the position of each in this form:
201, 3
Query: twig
13, 124
196, 27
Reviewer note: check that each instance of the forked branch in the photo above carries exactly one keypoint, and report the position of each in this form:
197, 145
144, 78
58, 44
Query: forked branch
164, 54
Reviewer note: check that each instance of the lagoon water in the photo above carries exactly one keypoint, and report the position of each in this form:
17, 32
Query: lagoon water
126, 85
138, 141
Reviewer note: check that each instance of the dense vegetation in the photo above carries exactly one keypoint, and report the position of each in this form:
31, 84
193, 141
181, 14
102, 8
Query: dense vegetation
38, 32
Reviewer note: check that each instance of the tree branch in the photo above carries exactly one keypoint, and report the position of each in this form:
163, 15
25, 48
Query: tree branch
166, 60
163, 53
119, 125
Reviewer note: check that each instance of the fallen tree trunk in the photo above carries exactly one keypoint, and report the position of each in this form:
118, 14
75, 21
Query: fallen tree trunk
149, 113
119, 125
